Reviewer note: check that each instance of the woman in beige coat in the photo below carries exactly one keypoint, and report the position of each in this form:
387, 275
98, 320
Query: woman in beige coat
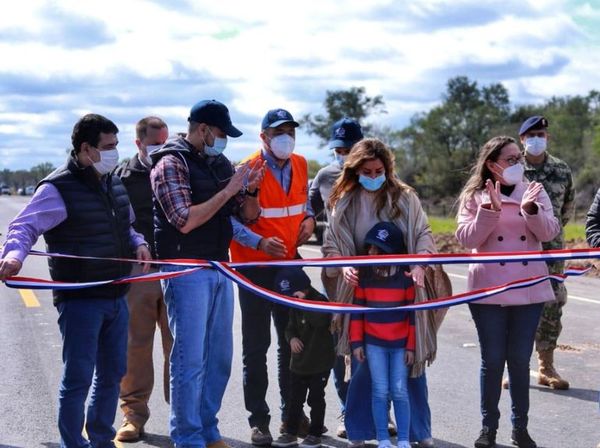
367, 192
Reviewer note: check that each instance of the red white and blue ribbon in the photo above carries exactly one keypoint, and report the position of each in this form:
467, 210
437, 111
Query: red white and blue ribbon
36, 283
367, 260
442, 302
228, 270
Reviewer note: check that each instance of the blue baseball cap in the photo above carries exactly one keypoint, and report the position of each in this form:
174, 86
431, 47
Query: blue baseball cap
345, 133
533, 123
291, 280
277, 117
388, 237
213, 113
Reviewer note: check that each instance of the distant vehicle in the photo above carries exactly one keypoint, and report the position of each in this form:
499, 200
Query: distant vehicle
29, 190
21, 191
4, 189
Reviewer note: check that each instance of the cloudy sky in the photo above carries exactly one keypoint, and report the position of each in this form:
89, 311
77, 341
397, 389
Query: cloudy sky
130, 58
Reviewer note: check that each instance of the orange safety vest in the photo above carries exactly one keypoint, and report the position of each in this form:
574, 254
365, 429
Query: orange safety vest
281, 212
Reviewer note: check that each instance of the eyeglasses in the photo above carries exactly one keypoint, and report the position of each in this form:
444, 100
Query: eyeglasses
513, 160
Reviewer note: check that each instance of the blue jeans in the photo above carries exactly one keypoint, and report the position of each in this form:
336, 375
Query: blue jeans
94, 334
506, 335
200, 312
420, 413
389, 376
359, 419
256, 339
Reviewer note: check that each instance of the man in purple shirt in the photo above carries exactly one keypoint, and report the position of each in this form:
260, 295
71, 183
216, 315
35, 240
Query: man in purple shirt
82, 209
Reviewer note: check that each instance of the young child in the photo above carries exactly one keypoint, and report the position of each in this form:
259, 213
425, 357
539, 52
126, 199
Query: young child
313, 356
386, 339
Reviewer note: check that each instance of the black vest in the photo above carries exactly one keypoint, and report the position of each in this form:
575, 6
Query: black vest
211, 240
97, 225
136, 178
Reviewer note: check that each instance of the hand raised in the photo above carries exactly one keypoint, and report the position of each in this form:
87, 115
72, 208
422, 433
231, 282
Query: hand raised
528, 202
256, 175
493, 190
237, 180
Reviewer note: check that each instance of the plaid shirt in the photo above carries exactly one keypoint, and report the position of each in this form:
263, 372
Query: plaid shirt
170, 180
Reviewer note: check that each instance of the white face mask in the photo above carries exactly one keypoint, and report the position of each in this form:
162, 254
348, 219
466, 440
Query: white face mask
535, 145
150, 149
282, 146
108, 161
512, 175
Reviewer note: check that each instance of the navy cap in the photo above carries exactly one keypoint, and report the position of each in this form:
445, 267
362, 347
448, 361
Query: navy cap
276, 117
387, 237
533, 123
290, 280
214, 113
345, 133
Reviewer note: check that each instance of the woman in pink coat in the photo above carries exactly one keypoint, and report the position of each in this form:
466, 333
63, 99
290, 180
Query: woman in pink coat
501, 212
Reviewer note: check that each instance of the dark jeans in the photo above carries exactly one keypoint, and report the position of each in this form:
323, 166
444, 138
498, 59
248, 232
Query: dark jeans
94, 334
256, 339
315, 386
506, 335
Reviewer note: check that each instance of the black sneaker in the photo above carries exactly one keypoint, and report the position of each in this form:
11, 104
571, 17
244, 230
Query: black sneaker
520, 437
486, 439
261, 436
285, 441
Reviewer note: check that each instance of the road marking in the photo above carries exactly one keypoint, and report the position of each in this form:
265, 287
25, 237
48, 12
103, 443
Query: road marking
29, 298
583, 299
457, 275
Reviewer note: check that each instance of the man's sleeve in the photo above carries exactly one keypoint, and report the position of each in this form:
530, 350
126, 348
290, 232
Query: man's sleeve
45, 211
171, 186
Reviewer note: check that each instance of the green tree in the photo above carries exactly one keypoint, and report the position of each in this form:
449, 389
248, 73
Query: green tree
443, 143
353, 103
313, 167
41, 170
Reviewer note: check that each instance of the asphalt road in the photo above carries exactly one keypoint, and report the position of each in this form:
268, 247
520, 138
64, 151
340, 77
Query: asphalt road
30, 368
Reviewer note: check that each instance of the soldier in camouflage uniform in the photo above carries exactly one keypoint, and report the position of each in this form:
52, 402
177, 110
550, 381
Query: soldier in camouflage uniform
555, 176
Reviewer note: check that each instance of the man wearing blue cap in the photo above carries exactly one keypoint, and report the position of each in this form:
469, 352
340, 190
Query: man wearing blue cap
344, 134
555, 175
286, 222
196, 191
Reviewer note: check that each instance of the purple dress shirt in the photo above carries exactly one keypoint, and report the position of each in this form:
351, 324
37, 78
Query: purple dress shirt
45, 211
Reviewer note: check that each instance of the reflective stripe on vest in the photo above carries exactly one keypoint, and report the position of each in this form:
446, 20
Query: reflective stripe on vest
283, 212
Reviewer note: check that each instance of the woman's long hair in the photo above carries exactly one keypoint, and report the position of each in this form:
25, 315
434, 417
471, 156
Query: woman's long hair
364, 151
480, 172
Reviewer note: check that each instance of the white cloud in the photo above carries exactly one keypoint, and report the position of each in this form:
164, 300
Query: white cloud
130, 59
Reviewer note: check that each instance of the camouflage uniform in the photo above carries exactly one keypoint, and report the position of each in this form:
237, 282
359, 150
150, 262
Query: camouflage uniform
555, 175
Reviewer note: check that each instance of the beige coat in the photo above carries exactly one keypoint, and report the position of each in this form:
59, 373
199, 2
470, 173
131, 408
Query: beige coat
418, 239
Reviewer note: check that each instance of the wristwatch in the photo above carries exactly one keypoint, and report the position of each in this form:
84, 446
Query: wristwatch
253, 194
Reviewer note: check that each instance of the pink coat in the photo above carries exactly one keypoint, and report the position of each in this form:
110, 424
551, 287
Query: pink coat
511, 229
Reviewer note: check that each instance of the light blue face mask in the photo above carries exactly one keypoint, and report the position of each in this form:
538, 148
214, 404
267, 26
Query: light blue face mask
217, 147
340, 159
371, 183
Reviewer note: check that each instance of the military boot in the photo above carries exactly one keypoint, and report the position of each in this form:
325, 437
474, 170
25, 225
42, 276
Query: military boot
547, 375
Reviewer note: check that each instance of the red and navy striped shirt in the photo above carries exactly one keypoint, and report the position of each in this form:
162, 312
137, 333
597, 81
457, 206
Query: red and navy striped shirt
394, 329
